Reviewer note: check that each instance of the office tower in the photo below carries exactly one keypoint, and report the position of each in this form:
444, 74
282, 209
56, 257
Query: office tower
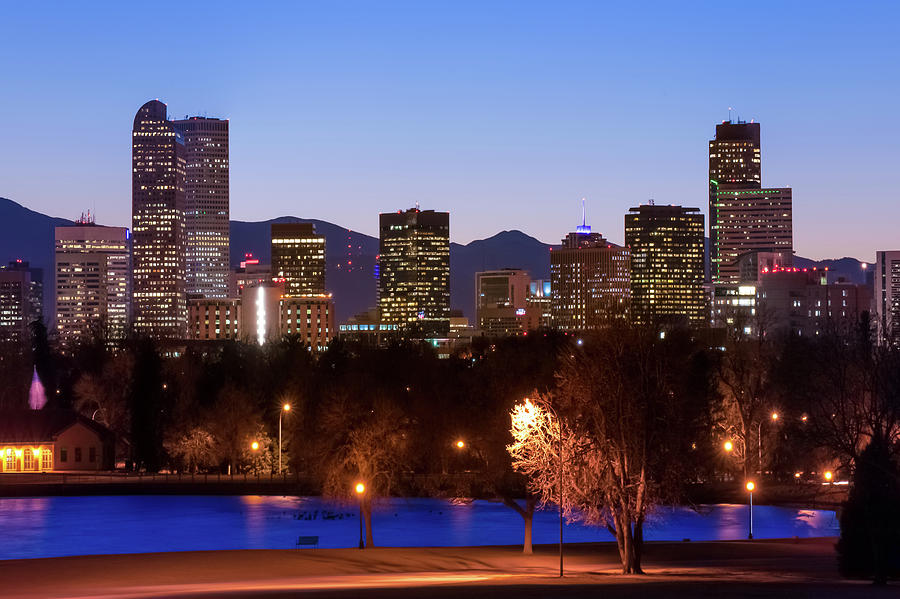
749, 220
159, 307
589, 278
886, 299
501, 301
35, 292
743, 217
538, 305
666, 244
414, 272
802, 302
206, 205
16, 312
298, 257
92, 279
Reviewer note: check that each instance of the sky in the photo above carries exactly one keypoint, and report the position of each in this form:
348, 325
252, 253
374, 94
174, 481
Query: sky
504, 113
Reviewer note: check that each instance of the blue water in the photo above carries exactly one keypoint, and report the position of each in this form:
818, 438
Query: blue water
57, 526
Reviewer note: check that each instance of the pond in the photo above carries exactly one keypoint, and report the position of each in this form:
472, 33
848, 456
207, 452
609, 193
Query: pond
32, 527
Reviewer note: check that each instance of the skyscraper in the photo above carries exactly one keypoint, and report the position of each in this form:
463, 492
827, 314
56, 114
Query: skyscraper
589, 279
15, 308
159, 306
750, 220
743, 217
298, 256
206, 209
414, 272
666, 244
92, 282
887, 296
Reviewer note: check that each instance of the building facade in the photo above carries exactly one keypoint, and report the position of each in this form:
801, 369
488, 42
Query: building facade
886, 300
802, 302
667, 270
749, 220
590, 282
248, 273
298, 257
211, 319
15, 307
159, 302
92, 281
53, 440
501, 302
414, 272
206, 205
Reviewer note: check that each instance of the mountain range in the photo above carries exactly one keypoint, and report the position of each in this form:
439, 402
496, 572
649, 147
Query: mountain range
28, 235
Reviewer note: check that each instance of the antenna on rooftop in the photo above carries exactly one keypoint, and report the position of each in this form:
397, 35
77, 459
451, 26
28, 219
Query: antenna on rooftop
583, 227
729, 112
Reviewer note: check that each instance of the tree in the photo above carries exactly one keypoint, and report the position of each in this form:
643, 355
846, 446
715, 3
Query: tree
234, 423
364, 443
195, 449
869, 546
629, 414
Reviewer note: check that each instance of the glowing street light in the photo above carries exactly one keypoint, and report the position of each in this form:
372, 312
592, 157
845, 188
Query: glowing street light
285, 408
829, 475
774, 416
460, 444
255, 446
360, 489
728, 446
750, 487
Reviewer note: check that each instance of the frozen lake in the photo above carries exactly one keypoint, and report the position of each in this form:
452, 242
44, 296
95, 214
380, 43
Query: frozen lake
57, 526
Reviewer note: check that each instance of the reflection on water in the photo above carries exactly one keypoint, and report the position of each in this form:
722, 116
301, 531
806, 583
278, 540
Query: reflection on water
57, 526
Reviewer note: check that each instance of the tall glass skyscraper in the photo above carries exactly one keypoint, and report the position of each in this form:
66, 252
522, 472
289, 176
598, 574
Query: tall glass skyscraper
743, 217
206, 210
298, 256
666, 244
159, 306
414, 272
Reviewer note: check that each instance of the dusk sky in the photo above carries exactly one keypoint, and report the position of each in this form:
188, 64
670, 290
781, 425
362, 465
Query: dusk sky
504, 113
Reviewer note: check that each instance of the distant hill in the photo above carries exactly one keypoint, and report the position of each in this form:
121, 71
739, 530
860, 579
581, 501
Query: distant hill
28, 235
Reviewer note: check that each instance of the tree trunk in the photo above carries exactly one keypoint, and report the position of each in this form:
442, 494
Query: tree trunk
526, 544
638, 544
367, 517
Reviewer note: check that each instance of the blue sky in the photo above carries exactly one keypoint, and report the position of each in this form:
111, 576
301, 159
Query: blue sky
504, 113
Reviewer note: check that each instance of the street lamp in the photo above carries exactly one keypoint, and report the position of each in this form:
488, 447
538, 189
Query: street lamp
829, 475
750, 487
460, 444
559, 424
285, 408
774, 417
254, 446
728, 446
360, 489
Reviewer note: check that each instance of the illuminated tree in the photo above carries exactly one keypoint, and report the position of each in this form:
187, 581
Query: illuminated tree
631, 411
195, 450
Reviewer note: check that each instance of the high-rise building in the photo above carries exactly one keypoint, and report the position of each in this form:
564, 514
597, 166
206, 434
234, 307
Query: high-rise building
666, 244
159, 304
206, 205
743, 217
35, 294
749, 220
298, 257
501, 301
590, 282
15, 306
248, 273
92, 281
414, 272
886, 299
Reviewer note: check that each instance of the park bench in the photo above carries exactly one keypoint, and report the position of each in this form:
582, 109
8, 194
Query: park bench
308, 542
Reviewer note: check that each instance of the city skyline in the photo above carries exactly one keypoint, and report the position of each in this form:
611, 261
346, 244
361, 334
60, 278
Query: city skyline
506, 138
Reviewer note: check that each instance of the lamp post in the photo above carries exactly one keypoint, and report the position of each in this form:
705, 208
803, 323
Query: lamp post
828, 476
559, 424
360, 489
285, 408
750, 487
